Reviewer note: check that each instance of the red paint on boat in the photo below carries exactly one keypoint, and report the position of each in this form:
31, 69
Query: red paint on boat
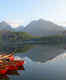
16, 62
19, 62
11, 58
3, 71
12, 67
10, 64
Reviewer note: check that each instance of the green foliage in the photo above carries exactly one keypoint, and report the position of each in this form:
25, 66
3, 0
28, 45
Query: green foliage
25, 35
53, 39
24, 49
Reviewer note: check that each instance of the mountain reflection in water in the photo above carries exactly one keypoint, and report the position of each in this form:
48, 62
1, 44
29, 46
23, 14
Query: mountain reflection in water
42, 62
42, 53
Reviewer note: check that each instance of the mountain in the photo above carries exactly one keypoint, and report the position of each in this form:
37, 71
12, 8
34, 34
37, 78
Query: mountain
43, 28
64, 28
5, 26
19, 29
36, 28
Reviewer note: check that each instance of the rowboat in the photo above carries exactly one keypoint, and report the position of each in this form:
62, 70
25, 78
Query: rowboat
12, 73
18, 62
8, 63
11, 67
3, 70
7, 57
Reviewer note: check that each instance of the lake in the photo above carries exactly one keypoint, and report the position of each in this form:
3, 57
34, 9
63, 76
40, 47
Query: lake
42, 62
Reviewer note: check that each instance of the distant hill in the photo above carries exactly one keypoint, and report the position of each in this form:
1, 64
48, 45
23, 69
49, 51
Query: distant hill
19, 29
36, 28
5, 26
64, 28
43, 28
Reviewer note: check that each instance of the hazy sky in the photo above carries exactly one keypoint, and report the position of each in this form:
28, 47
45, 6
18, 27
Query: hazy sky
17, 12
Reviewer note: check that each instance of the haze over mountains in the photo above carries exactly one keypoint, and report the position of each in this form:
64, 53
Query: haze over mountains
36, 28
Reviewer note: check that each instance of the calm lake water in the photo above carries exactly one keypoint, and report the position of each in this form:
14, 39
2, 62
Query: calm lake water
42, 62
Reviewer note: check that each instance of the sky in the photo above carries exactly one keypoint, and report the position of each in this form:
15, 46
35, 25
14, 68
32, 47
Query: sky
22, 12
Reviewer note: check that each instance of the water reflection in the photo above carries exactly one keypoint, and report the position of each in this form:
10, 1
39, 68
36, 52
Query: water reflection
54, 69
51, 70
43, 62
42, 53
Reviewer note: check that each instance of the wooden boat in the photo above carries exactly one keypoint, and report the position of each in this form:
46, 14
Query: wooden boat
3, 70
8, 66
5, 57
18, 62
9, 63
15, 62
11, 57
11, 67
13, 72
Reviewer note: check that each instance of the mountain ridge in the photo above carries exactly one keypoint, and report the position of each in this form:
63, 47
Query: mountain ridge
5, 26
36, 28
43, 28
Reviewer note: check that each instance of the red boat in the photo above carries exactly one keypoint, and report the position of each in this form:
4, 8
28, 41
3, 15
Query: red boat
19, 62
11, 57
12, 73
3, 70
16, 62
9, 63
11, 67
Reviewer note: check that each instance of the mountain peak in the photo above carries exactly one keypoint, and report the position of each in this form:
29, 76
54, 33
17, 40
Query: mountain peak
43, 28
3, 22
41, 19
4, 26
